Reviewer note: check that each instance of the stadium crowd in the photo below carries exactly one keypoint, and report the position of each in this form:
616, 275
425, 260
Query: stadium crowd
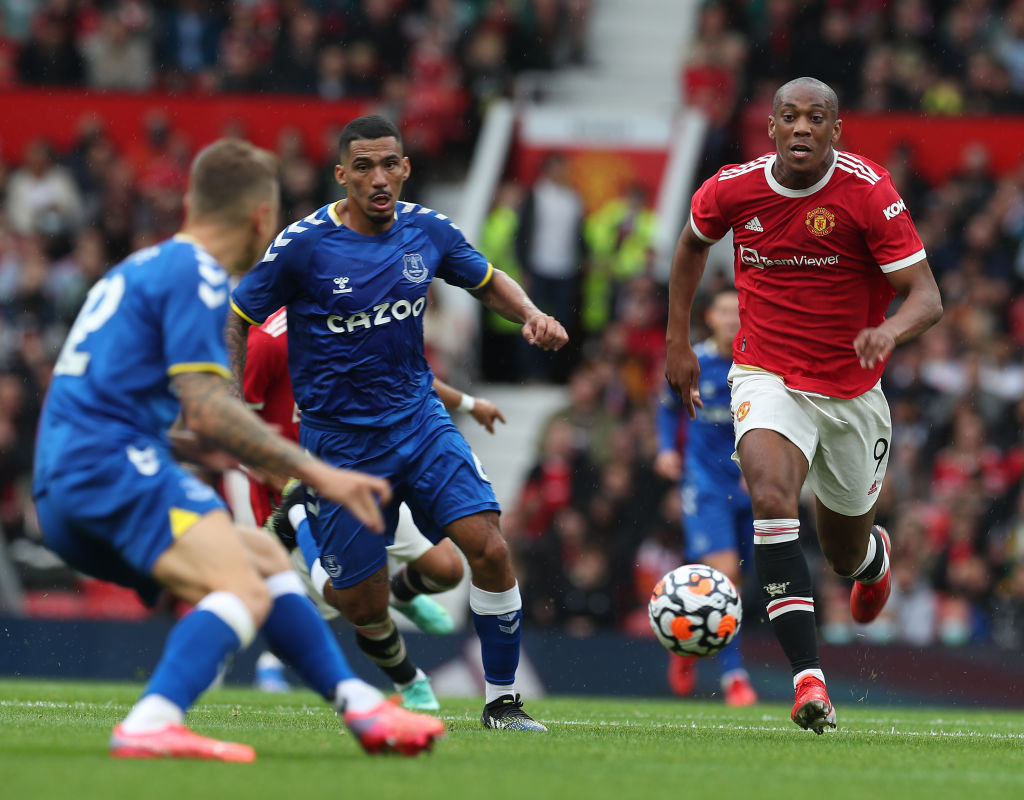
594, 527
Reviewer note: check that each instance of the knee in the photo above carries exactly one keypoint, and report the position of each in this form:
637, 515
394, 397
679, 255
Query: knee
773, 500
490, 552
359, 610
448, 570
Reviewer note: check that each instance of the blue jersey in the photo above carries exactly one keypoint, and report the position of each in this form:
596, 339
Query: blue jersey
709, 440
159, 312
355, 309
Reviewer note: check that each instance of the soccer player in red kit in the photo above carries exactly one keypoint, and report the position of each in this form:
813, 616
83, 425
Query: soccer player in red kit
823, 243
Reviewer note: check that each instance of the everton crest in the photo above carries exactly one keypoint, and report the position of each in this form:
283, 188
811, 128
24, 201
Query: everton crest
414, 269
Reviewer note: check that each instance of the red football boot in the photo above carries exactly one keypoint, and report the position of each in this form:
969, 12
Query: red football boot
868, 600
812, 709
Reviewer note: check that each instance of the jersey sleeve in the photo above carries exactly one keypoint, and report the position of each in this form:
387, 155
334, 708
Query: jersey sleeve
668, 418
273, 282
706, 217
193, 311
461, 263
889, 231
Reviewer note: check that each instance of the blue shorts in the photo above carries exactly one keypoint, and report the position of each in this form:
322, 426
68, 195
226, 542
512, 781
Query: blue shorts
717, 517
111, 513
431, 468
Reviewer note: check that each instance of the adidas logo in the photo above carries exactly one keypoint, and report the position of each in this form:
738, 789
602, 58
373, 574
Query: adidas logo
754, 225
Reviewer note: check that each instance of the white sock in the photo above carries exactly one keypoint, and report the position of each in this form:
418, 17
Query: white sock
152, 712
296, 514
356, 695
493, 691
817, 673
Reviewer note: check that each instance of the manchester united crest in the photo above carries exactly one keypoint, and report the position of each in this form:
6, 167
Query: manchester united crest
820, 221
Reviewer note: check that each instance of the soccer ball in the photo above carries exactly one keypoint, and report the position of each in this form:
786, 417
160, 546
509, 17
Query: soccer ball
695, 610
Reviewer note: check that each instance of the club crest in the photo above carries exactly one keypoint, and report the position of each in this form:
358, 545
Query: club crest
414, 269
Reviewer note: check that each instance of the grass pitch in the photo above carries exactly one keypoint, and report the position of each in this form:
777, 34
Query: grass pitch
53, 738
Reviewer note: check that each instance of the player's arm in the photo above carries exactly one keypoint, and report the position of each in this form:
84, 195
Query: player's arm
681, 368
921, 308
220, 419
481, 409
236, 335
668, 463
504, 296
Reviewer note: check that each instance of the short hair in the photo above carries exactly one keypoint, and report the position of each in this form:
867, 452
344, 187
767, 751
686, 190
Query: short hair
372, 126
827, 92
229, 178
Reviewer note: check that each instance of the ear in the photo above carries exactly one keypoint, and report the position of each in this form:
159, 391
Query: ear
408, 167
837, 131
771, 126
339, 174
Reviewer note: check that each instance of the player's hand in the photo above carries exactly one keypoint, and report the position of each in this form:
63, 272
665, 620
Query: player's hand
361, 494
545, 332
872, 346
485, 412
682, 371
669, 465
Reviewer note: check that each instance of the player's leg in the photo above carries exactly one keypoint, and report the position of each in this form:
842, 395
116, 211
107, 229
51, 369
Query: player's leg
846, 479
775, 469
497, 610
424, 569
206, 566
297, 633
776, 440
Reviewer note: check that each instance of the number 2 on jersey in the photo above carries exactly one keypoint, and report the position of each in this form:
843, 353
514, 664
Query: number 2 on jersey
100, 305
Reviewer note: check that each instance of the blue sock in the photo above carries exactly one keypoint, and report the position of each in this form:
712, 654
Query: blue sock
198, 645
298, 636
498, 617
729, 657
304, 538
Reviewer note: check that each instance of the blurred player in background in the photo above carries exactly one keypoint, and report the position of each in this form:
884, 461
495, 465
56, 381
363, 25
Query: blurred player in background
113, 501
426, 568
717, 517
354, 278
823, 243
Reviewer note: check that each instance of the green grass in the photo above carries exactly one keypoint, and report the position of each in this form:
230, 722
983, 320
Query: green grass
53, 739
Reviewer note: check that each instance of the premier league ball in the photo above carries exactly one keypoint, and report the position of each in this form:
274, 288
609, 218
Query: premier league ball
695, 610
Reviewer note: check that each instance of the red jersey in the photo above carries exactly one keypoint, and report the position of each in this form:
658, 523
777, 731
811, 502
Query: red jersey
810, 266
267, 387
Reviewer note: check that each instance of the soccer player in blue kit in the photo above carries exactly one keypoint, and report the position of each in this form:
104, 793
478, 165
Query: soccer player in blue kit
717, 515
354, 276
113, 501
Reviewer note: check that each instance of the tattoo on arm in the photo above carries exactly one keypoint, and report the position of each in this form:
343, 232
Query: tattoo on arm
210, 409
236, 335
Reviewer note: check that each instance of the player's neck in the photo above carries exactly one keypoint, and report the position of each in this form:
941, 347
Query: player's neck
226, 246
355, 221
791, 179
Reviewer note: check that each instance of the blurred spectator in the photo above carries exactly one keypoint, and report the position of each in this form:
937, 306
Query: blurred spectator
118, 54
50, 57
550, 248
502, 354
188, 39
620, 240
42, 196
294, 67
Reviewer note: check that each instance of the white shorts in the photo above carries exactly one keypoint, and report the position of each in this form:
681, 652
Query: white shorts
409, 543
845, 442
